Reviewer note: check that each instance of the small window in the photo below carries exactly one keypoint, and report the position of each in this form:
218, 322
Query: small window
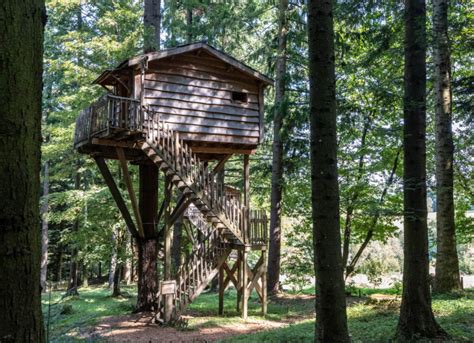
239, 97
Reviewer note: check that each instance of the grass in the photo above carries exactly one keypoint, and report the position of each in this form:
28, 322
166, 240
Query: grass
377, 322
71, 318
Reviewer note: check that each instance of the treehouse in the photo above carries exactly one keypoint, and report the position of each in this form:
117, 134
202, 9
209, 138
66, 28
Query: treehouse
184, 112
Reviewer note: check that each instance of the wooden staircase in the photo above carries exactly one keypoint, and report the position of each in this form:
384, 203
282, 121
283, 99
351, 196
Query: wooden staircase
114, 124
221, 219
192, 177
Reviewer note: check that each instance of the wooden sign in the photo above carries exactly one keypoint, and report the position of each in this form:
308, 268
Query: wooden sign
168, 287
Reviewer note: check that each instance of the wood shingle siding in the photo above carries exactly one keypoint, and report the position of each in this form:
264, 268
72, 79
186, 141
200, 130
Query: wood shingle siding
193, 94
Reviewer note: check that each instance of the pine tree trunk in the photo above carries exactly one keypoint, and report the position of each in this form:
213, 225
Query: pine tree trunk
152, 21
147, 274
44, 228
447, 265
274, 255
21, 34
148, 246
416, 316
331, 318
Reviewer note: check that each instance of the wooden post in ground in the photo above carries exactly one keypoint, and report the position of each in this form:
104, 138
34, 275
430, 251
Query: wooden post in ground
239, 279
246, 181
264, 281
221, 290
245, 295
168, 301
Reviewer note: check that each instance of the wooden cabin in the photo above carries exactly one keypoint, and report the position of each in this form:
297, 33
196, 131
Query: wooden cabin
184, 112
214, 101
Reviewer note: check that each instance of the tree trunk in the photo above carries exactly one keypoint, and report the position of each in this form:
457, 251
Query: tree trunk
148, 246
99, 270
147, 274
447, 265
113, 259
189, 24
44, 228
73, 280
84, 275
72, 285
331, 318
127, 267
21, 31
58, 275
116, 281
416, 316
152, 21
273, 283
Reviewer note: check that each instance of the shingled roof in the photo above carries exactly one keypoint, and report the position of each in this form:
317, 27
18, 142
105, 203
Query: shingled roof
182, 49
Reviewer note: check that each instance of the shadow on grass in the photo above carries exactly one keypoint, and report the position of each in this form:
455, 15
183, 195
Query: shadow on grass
377, 322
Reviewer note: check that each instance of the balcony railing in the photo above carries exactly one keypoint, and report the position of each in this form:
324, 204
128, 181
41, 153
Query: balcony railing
109, 112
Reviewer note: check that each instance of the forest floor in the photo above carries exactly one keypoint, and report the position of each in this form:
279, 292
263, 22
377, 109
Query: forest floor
94, 316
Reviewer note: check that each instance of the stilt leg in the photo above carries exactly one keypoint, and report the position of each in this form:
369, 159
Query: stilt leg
167, 252
221, 291
239, 279
245, 295
264, 282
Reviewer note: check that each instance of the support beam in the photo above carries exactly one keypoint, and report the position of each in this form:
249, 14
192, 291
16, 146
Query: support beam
109, 180
181, 206
221, 164
128, 183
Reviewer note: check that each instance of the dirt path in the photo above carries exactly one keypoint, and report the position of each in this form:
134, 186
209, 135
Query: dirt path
138, 327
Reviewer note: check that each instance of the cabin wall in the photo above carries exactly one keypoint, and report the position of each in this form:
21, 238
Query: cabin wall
194, 94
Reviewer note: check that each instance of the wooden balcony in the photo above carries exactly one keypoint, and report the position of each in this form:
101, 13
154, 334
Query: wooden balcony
107, 117
111, 121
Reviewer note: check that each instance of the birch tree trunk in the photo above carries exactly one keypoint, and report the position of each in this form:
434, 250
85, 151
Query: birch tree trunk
447, 265
331, 318
274, 254
416, 316
21, 34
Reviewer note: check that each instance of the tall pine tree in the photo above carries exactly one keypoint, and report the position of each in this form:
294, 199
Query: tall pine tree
21, 67
331, 318
416, 316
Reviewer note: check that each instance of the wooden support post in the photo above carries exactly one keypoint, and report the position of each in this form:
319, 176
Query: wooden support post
245, 218
167, 249
109, 180
131, 193
264, 282
246, 181
245, 276
239, 279
221, 289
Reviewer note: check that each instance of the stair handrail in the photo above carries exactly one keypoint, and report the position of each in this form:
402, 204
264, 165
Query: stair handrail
180, 157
